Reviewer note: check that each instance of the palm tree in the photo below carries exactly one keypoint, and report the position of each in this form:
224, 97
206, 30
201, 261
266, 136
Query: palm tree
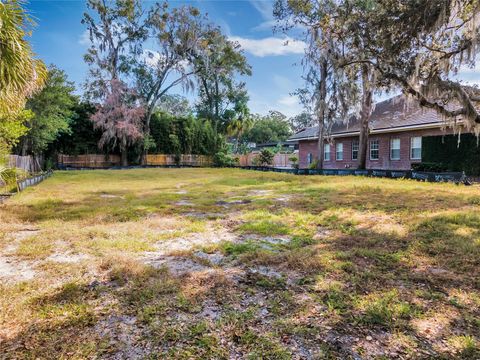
21, 74
240, 122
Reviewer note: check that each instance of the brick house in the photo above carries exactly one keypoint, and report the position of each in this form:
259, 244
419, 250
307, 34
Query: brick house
395, 140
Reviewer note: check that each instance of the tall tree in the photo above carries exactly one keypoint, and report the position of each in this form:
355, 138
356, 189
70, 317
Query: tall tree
272, 127
301, 121
116, 31
52, 113
175, 105
239, 121
327, 94
120, 118
217, 62
177, 33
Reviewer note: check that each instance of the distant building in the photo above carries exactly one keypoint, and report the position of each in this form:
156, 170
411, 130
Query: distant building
395, 140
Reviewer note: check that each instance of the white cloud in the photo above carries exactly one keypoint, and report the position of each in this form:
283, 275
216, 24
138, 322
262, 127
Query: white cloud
84, 39
289, 105
266, 25
270, 46
286, 104
469, 75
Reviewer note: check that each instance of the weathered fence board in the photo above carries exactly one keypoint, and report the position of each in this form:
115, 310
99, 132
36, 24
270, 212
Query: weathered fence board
32, 164
182, 160
279, 160
94, 161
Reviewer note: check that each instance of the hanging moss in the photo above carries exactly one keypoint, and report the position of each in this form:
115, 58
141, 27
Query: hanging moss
452, 155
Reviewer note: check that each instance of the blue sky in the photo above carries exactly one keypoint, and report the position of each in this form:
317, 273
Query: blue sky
59, 38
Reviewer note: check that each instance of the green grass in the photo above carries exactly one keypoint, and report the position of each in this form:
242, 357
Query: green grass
358, 257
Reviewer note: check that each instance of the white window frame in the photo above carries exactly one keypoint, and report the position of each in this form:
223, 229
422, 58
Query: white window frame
355, 148
337, 151
412, 139
392, 140
378, 149
309, 158
325, 152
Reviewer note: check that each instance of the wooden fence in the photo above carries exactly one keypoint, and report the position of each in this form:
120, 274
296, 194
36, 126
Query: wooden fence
279, 160
93, 161
184, 160
31, 164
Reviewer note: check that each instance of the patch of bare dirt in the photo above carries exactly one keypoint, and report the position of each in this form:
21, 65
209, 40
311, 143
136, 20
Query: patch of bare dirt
209, 237
12, 270
184, 203
111, 196
125, 335
25, 234
68, 257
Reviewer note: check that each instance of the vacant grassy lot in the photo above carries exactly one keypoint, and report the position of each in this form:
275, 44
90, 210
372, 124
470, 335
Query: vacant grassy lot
231, 264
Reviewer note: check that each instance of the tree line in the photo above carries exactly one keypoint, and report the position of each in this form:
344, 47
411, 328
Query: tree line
128, 106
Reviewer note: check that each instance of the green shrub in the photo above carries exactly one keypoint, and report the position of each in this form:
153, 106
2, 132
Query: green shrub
265, 157
8, 177
430, 166
313, 165
294, 160
222, 159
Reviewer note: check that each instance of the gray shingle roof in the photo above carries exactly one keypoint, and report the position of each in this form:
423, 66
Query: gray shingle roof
390, 114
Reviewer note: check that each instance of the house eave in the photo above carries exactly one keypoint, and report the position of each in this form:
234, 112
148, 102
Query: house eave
434, 125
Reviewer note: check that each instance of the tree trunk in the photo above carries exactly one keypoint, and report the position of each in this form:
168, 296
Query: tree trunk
124, 160
322, 97
365, 114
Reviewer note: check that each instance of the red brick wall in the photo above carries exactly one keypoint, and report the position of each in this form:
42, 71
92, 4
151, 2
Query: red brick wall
384, 162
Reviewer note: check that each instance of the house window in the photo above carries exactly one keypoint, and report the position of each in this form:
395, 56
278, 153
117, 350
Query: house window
326, 152
355, 147
374, 153
309, 158
416, 148
395, 149
339, 151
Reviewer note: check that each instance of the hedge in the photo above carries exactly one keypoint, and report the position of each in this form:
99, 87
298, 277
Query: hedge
449, 155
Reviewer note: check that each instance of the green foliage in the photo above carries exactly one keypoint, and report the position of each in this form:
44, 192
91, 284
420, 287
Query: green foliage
430, 166
52, 112
222, 159
301, 121
273, 127
175, 105
82, 137
20, 73
313, 165
265, 157
217, 62
183, 135
12, 128
450, 155
7, 176
294, 160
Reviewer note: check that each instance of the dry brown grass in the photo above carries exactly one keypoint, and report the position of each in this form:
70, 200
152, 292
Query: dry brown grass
308, 266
